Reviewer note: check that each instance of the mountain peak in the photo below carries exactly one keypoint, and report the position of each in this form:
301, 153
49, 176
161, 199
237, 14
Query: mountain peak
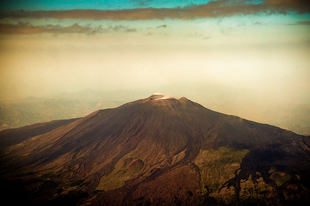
162, 100
159, 96
157, 148
183, 99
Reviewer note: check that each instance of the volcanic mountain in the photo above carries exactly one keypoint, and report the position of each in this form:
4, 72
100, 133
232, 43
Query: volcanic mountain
155, 151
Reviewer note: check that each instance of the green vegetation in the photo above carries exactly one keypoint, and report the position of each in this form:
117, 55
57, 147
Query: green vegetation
272, 169
217, 167
280, 177
124, 170
259, 191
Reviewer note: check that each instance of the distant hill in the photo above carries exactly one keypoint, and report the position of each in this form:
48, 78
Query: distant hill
155, 151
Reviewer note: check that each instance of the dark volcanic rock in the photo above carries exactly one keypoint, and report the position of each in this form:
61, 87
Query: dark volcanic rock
158, 151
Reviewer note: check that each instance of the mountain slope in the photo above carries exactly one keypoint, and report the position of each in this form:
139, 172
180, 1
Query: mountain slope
162, 151
34, 110
15, 136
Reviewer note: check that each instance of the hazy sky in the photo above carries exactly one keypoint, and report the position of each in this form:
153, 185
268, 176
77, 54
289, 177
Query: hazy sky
255, 46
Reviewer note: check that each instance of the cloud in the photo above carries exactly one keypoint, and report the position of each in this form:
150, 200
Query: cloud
141, 2
220, 8
121, 28
200, 35
28, 28
301, 23
304, 22
164, 26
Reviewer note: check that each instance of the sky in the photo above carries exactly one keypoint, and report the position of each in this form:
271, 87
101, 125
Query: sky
256, 47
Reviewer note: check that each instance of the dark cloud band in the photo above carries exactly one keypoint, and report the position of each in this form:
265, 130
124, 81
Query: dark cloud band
212, 9
28, 28
304, 23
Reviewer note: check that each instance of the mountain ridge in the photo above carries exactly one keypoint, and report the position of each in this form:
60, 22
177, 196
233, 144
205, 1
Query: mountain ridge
288, 115
118, 153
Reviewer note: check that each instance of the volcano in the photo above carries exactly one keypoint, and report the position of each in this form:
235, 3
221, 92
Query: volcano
155, 151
